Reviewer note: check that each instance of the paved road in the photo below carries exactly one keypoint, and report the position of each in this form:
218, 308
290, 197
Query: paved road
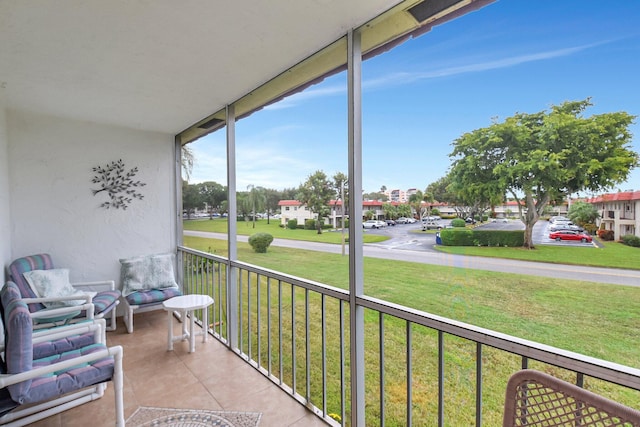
419, 248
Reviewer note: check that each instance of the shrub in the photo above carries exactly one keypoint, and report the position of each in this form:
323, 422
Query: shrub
292, 224
631, 240
309, 224
475, 237
260, 242
458, 222
606, 235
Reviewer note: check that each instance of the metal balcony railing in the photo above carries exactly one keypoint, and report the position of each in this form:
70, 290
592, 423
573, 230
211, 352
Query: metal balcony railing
420, 369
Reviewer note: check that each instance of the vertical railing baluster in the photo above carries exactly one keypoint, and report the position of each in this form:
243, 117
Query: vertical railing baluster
307, 330
240, 312
221, 320
259, 332
324, 354
249, 337
381, 350
343, 397
280, 358
294, 362
409, 375
440, 379
269, 325
525, 362
478, 385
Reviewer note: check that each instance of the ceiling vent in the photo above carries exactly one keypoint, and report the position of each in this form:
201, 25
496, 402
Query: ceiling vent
210, 123
425, 10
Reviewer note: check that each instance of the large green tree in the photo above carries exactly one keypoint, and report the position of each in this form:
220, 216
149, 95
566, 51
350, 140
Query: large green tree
546, 156
583, 213
340, 185
191, 198
213, 194
316, 193
257, 200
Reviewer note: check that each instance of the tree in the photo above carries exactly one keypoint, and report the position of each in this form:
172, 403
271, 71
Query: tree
390, 211
191, 198
213, 194
316, 193
272, 197
583, 213
543, 157
186, 161
257, 200
341, 188
415, 201
404, 210
375, 196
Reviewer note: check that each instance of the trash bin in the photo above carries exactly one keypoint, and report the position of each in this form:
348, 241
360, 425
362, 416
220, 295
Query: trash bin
438, 239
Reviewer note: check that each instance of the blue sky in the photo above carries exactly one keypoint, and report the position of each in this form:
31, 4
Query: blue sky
511, 56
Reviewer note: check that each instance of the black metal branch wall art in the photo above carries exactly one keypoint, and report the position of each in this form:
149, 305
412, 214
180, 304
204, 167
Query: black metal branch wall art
120, 186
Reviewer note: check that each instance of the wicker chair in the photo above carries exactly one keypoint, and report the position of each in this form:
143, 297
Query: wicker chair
536, 399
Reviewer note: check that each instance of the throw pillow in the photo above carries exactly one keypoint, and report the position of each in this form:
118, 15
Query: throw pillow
147, 273
53, 283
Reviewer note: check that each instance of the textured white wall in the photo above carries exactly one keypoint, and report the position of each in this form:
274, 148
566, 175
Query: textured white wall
5, 222
53, 209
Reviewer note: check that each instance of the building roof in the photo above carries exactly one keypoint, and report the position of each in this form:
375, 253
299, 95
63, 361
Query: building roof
622, 196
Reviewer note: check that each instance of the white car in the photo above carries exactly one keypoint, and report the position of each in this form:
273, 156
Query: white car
372, 223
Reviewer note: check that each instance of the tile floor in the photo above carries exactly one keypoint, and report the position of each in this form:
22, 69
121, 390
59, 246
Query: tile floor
211, 378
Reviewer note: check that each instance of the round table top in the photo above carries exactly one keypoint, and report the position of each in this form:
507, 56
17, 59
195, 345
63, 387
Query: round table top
187, 302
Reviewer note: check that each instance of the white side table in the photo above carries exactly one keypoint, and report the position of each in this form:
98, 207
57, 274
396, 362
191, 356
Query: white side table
185, 305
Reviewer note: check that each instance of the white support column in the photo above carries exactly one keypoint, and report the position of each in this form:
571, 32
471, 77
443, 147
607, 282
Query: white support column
356, 270
178, 204
232, 274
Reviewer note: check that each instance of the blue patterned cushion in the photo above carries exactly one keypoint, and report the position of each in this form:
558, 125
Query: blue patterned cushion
153, 296
84, 375
105, 300
28, 263
18, 349
74, 342
147, 273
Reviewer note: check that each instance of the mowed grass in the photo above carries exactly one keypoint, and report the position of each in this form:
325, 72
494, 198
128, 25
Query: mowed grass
589, 318
246, 228
612, 254
598, 320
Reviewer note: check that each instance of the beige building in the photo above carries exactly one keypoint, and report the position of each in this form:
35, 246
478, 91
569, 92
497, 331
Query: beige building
618, 212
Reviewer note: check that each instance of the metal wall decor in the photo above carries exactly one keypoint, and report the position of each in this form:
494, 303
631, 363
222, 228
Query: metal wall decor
120, 186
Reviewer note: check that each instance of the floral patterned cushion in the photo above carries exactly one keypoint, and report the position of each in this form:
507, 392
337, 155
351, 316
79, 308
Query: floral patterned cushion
147, 273
53, 283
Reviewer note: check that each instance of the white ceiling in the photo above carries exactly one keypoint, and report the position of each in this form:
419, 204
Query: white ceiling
158, 65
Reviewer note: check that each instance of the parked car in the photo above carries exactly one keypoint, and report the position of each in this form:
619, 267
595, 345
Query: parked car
402, 220
430, 223
390, 222
372, 223
563, 226
470, 220
570, 235
411, 220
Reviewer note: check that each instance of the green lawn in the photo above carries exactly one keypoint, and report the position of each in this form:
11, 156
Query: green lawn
219, 225
613, 254
561, 313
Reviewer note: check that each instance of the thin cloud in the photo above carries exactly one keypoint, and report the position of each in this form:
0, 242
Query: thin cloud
407, 77
403, 78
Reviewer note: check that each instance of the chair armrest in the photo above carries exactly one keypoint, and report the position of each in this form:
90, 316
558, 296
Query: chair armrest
61, 311
97, 326
101, 285
9, 379
87, 298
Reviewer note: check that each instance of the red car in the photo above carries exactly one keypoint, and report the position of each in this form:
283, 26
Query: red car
570, 235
